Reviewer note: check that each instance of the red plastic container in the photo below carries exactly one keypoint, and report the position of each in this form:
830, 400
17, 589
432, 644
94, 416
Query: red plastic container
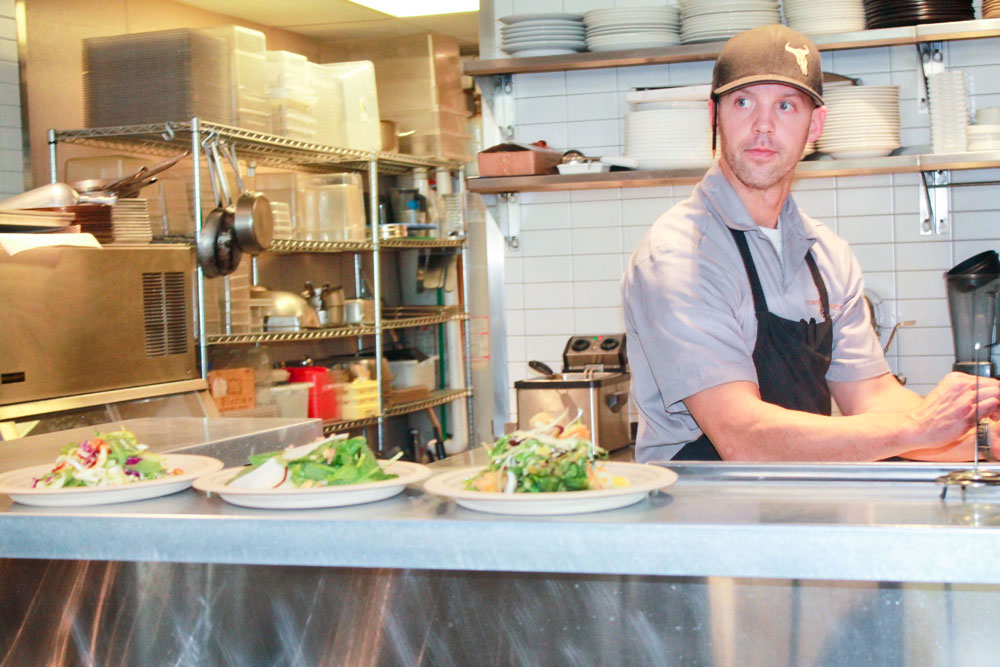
322, 397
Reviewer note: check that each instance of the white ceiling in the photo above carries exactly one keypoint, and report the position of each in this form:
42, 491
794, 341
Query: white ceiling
330, 20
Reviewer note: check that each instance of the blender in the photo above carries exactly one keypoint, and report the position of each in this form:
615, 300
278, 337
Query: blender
972, 304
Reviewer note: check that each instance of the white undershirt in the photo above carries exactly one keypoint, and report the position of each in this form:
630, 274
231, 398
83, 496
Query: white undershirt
774, 236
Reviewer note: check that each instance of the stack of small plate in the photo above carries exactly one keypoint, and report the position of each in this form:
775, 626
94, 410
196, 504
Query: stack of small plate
984, 137
895, 13
677, 135
525, 35
632, 28
991, 9
861, 121
816, 17
949, 111
715, 20
130, 221
282, 214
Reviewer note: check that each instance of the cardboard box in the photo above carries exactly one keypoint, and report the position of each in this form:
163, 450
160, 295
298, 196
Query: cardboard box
518, 160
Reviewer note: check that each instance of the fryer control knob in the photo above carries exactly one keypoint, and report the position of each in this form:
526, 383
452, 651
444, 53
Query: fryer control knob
580, 344
609, 344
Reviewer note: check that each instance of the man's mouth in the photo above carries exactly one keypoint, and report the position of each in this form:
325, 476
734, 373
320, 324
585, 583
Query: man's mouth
762, 152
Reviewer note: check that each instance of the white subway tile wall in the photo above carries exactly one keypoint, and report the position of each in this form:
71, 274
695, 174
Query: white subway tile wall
574, 246
11, 149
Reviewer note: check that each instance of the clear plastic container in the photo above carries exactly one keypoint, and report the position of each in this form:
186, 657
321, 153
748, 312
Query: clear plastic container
445, 145
242, 39
425, 121
335, 208
363, 130
287, 70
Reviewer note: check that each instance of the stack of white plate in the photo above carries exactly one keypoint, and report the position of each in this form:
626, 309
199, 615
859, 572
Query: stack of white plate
991, 9
715, 20
861, 121
676, 136
816, 17
551, 34
632, 28
984, 137
949, 111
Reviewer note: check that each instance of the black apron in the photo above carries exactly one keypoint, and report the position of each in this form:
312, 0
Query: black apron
791, 357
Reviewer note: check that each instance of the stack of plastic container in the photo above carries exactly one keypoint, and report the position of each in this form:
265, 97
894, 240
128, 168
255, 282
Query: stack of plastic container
359, 399
330, 128
420, 88
291, 95
249, 76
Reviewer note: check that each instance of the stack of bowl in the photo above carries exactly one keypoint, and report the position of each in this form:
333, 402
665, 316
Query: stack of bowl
949, 111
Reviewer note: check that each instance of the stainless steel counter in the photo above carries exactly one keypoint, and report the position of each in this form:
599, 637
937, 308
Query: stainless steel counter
844, 530
733, 565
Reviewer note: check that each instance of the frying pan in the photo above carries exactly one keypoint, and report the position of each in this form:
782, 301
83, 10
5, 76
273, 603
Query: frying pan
253, 221
228, 251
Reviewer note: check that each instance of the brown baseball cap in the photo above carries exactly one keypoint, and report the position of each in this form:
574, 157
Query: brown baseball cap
769, 54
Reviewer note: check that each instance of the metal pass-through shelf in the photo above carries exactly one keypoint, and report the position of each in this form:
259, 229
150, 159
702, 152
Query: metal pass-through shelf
436, 398
265, 149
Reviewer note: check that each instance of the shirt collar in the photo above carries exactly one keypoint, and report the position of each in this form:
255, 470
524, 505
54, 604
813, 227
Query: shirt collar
717, 193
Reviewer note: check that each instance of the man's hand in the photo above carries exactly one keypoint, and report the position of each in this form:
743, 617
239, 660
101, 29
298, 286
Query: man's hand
945, 420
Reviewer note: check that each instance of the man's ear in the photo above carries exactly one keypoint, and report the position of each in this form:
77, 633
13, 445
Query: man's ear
816, 123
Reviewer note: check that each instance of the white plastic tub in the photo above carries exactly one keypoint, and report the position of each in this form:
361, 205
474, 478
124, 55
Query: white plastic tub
292, 399
413, 373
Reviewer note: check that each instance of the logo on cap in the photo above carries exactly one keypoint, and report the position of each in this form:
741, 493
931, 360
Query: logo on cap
800, 57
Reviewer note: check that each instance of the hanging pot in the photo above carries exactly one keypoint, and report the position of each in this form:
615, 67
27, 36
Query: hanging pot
253, 221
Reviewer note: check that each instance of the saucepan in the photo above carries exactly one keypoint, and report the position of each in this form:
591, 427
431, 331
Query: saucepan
252, 219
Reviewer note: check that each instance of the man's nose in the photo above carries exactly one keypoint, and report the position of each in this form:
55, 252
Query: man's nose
763, 121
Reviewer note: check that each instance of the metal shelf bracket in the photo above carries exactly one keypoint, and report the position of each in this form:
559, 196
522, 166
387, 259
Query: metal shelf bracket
510, 215
931, 56
935, 204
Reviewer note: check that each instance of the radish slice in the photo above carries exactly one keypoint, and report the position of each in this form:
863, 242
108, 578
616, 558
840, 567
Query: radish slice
267, 476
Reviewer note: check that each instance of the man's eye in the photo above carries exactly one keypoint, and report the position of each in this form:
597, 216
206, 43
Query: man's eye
785, 106
742, 102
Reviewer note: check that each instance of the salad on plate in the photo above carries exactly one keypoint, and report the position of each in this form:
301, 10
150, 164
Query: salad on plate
550, 457
334, 461
108, 459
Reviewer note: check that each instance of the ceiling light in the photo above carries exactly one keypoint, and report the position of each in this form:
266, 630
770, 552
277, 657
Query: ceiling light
425, 8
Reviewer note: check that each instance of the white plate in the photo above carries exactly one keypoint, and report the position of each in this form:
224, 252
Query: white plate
531, 53
17, 484
854, 155
325, 496
561, 45
643, 479
555, 16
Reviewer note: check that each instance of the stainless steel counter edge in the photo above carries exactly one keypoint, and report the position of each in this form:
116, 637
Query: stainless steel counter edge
440, 536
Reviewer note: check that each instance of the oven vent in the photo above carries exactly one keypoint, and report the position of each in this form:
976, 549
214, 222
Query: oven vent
166, 312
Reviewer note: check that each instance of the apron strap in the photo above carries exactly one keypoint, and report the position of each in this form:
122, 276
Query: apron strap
759, 302
824, 299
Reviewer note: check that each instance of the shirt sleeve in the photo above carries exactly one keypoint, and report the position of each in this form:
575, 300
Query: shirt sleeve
857, 352
690, 335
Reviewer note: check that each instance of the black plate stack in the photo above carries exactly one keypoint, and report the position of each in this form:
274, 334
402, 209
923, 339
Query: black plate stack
896, 13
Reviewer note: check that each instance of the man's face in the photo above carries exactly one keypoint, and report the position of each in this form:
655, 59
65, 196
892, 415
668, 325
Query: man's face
763, 130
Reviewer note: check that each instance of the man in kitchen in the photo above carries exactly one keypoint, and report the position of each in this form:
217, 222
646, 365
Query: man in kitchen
745, 316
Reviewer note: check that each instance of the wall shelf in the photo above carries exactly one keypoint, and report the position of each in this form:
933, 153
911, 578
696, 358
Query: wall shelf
895, 164
932, 32
439, 397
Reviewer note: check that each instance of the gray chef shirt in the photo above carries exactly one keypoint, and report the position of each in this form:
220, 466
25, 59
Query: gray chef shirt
689, 312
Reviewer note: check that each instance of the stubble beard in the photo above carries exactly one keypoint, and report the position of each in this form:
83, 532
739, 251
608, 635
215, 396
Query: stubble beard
756, 177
